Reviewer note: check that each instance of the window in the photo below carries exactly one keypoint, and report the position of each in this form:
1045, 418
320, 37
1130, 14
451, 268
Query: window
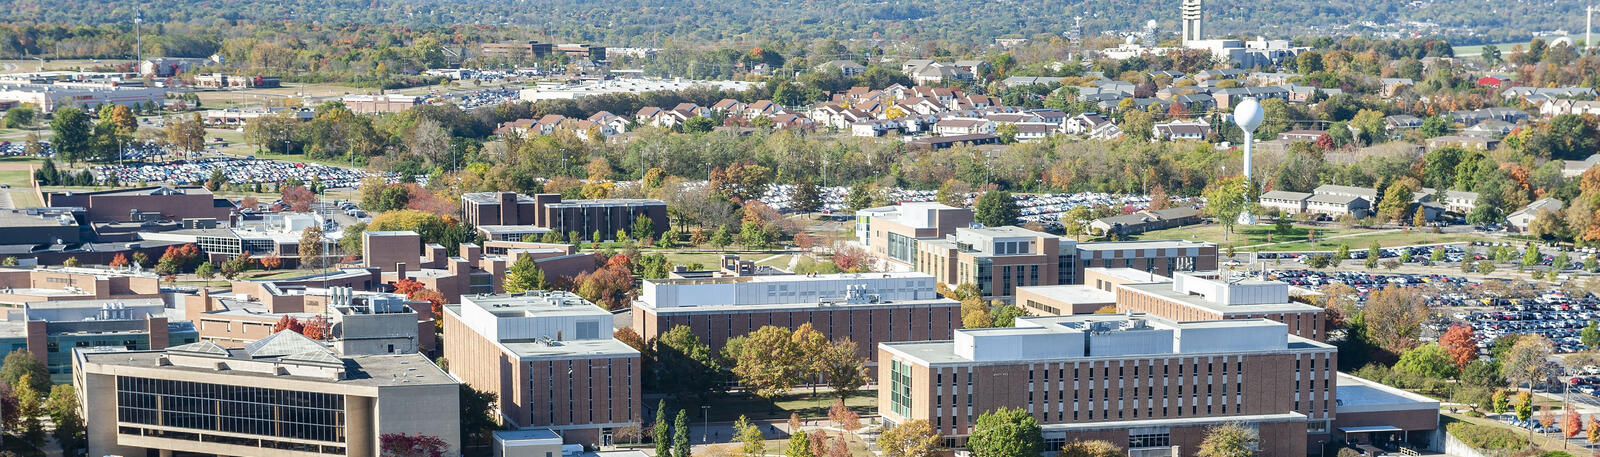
300, 415
588, 330
1148, 439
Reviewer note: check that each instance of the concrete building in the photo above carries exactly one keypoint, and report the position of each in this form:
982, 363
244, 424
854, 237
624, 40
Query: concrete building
35, 226
1157, 257
867, 308
998, 259
1193, 15
891, 232
516, 50
1063, 300
552, 360
145, 203
547, 211
19, 285
380, 104
51, 97
1148, 383
282, 396
400, 255
1206, 297
360, 322
49, 330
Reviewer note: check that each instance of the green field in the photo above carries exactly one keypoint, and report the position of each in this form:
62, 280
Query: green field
1242, 235
1265, 238
730, 407
1385, 239
1505, 48
22, 195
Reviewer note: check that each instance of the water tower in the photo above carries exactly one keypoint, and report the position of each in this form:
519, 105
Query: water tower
1248, 115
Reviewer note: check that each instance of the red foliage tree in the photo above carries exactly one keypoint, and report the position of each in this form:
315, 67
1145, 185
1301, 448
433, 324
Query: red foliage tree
407, 286
1461, 344
403, 445
1572, 424
119, 261
611, 285
317, 328
271, 262
850, 257
298, 198
289, 323
433, 297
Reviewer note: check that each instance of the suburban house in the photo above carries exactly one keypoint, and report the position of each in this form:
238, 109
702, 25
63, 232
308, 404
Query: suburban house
957, 126
844, 67
1180, 130
1522, 218
1144, 221
873, 128
1093, 125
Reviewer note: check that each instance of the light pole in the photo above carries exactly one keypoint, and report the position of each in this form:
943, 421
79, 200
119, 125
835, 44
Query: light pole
705, 423
1248, 115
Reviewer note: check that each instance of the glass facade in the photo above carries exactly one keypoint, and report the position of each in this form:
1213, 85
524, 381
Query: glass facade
902, 248
900, 388
233, 409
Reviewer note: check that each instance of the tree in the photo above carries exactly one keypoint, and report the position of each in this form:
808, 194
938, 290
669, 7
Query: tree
1343, 253
1571, 424
317, 328
1396, 200
799, 445
662, 431
1531, 256
843, 416
680, 437
684, 365
311, 254
1525, 362
289, 323
766, 365
1523, 405
1226, 199
1393, 318
1499, 402
1094, 448
29, 408
912, 438
403, 445
71, 262
1075, 221
1006, 433
20, 363
806, 197
1462, 346
1593, 429
62, 407
188, 135
205, 272
996, 209
721, 238
1430, 361
842, 367
20, 116
525, 275
1230, 440
71, 134
753, 443
1590, 335
860, 197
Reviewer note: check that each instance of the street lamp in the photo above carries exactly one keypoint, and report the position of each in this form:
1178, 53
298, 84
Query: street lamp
705, 423
1248, 115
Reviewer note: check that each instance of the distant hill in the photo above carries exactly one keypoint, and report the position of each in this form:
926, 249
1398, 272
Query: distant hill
653, 22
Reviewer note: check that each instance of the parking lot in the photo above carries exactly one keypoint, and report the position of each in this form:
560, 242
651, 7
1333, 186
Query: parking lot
237, 170
1042, 208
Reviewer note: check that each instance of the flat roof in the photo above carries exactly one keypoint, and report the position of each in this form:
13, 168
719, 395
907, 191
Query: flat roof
512, 229
1164, 290
1152, 244
538, 303
944, 352
1359, 395
1072, 293
724, 309
1132, 275
363, 370
793, 278
1174, 422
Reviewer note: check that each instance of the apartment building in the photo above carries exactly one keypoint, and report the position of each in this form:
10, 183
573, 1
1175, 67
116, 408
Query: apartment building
1162, 257
1207, 296
867, 308
551, 359
998, 259
282, 396
1147, 384
548, 211
891, 232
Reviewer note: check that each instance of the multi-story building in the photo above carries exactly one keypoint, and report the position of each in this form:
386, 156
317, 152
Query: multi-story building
547, 211
891, 232
381, 104
162, 202
284, 396
517, 50
1162, 257
551, 359
867, 308
34, 226
19, 285
1150, 385
1207, 297
49, 330
998, 259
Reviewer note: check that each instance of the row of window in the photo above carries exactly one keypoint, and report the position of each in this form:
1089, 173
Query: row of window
573, 376
227, 408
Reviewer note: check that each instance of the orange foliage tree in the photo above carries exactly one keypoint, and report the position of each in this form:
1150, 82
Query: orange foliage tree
289, 323
1461, 344
271, 262
119, 261
611, 286
317, 328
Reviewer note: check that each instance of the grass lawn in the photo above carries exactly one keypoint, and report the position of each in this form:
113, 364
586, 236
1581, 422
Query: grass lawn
1385, 239
1242, 235
277, 274
729, 407
1539, 441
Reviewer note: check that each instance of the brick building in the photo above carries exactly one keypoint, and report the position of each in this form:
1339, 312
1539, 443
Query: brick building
548, 211
866, 308
1206, 297
516, 50
551, 359
998, 259
891, 232
49, 330
1144, 383
145, 203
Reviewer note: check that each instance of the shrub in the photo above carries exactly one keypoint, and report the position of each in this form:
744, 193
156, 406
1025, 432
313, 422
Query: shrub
1487, 438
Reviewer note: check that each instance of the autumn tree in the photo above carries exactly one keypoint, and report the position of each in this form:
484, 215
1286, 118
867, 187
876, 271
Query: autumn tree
912, 438
288, 323
753, 443
1393, 318
1230, 440
843, 369
1226, 199
1093, 448
843, 416
317, 328
766, 364
298, 198
1571, 423
311, 247
119, 261
1526, 360
1461, 344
